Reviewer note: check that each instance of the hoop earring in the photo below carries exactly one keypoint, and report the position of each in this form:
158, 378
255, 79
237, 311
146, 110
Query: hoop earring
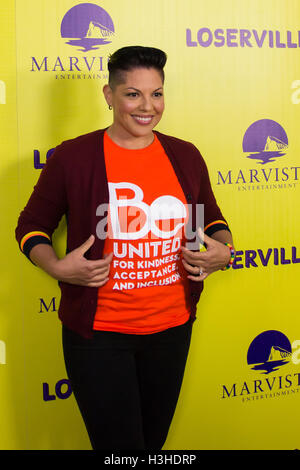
110, 107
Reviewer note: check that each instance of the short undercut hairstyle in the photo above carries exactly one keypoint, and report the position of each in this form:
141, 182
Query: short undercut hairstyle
132, 57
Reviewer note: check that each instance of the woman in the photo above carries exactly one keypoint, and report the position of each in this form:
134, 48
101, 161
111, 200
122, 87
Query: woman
129, 285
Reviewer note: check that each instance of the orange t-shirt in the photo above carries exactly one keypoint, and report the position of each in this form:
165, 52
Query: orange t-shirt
147, 289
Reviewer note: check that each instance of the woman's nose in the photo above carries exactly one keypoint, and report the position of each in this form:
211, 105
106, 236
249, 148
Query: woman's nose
146, 104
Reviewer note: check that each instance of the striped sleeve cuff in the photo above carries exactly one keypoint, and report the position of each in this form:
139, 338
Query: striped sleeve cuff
215, 226
33, 238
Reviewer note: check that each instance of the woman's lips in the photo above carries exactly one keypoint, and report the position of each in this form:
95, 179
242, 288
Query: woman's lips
143, 120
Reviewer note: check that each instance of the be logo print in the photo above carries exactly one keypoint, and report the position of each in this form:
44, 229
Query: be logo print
87, 26
145, 236
265, 141
163, 218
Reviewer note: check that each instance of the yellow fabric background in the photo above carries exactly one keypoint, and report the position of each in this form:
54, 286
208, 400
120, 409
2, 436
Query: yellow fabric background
213, 94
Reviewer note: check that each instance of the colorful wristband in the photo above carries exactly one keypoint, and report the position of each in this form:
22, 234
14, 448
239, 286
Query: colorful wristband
232, 255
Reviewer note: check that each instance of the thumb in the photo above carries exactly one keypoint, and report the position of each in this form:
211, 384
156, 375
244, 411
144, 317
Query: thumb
87, 244
203, 238
109, 256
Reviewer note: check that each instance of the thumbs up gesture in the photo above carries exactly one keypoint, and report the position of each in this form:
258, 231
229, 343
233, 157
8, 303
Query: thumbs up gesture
74, 268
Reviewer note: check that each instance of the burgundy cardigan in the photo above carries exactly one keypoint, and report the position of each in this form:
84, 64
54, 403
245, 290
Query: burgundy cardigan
74, 183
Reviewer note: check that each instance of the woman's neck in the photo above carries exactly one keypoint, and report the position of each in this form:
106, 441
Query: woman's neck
128, 141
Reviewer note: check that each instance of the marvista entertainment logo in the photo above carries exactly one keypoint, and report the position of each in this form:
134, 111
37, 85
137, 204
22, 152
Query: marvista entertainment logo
86, 27
267, 353
266, 141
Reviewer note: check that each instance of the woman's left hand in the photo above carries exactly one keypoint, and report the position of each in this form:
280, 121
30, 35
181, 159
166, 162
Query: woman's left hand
203, 263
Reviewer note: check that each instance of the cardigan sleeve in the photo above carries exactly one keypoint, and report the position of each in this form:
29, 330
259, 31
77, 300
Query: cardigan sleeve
213, 217
45, 207
191, 170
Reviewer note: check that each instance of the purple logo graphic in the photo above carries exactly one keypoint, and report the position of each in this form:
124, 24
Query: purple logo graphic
269, 351
87, 26
265, 140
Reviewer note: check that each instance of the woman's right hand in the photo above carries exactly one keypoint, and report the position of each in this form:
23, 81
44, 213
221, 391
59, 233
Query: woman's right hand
73, 268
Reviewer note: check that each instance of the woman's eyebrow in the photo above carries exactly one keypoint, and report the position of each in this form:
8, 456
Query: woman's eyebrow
136, 89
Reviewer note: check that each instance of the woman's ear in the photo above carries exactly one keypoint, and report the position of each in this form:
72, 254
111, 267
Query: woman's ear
107, 91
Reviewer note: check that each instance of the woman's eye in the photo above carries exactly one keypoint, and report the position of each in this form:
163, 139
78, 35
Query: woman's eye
158, 94
132, 94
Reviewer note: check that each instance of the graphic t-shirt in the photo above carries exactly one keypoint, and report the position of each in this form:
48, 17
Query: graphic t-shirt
147, 289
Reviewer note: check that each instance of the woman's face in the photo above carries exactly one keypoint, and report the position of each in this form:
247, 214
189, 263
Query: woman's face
138, 104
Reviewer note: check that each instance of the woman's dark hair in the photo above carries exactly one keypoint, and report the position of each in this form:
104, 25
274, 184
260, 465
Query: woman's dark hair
131, 57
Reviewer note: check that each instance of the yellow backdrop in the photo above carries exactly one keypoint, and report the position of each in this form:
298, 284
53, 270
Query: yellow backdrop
233, 89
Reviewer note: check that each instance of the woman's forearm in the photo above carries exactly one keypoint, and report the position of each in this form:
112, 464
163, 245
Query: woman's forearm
74, 267
223, 236
45, 258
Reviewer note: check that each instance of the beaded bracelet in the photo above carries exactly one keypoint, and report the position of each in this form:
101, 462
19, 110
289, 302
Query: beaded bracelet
232, 256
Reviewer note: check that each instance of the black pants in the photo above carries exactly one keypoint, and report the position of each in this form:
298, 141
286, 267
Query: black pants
127, 386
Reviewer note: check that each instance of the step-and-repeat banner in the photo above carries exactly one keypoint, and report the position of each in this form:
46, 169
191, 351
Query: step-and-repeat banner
233, 89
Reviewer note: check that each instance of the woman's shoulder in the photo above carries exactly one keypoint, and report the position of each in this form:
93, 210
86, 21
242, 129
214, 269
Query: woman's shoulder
82, 141
178, 144
77, 150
